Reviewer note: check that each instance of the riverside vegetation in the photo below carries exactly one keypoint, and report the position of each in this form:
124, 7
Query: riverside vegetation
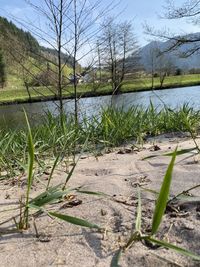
112, 128
15, 90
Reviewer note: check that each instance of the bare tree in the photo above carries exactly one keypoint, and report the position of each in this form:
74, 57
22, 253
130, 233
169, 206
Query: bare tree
164, 67
69, 27
84, 25
53, 13
99, 61
117, 43
189, 10
158, 64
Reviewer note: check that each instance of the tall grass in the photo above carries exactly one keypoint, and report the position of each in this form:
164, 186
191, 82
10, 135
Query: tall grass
112, 128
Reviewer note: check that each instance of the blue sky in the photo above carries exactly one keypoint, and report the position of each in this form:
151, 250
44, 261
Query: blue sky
139, 11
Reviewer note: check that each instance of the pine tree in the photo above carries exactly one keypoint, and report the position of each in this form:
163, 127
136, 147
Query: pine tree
2, 70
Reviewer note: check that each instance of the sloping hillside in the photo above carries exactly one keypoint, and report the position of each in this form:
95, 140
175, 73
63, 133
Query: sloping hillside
176, 57
25, 59
15, 40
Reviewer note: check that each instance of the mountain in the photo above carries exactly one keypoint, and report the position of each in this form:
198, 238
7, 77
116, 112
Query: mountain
52, 55
176, 57
17, 43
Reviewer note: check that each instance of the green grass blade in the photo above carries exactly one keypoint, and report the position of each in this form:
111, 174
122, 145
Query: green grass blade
116, 258
45, 193
70, 174
30, 155
30, 168
74, 220
135, 236
181, 152
175, 248
101, 194
48, 198
139, 213
52, 170
178, 153
152, 191
163, 196
32, 206
150, 157
72, 170
8, 142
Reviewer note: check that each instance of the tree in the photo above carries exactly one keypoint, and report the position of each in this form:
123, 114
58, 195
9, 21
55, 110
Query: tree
99, 61
164, 66
150, 62
117, 43
2, 70
189, 10
158, 64
67, 27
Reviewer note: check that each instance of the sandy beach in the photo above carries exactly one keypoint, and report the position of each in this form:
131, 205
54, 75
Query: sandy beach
118, 173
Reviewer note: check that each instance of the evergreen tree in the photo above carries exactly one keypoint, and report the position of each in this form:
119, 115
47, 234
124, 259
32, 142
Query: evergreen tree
2, 70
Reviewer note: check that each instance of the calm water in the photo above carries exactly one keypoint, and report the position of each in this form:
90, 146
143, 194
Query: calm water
13, 116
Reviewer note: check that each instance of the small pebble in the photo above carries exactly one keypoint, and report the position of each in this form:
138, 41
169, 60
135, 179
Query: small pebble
103, 212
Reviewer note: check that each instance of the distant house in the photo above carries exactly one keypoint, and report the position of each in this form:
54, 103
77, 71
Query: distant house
87, 78
78, 78
74, 78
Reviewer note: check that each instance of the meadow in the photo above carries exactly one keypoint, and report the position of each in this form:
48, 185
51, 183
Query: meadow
16, 92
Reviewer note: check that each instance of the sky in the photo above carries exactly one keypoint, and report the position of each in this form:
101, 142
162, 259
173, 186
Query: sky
138, 11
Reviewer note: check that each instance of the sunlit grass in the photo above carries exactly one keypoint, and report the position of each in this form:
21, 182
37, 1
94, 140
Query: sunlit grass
111, 128
15, 90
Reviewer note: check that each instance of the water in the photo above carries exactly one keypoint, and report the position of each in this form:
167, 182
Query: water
12, 115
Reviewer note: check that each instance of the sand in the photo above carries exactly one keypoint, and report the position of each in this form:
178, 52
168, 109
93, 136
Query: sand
116, 173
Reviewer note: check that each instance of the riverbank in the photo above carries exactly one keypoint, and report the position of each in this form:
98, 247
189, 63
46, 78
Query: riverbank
110, 128
42, 94
118, 173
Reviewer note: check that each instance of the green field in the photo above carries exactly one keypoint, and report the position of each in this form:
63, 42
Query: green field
16, 92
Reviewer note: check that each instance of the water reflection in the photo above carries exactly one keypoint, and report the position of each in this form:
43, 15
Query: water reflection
13, 116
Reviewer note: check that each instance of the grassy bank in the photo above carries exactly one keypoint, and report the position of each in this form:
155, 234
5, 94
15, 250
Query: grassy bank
111, 128
15, 92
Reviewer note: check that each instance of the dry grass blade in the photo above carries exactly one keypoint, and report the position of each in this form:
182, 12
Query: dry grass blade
139, 213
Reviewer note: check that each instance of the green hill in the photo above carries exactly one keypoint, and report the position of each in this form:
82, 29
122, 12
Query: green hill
15, 41
24, 60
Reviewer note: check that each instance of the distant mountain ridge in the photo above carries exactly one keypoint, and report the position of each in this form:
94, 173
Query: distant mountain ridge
184, 63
